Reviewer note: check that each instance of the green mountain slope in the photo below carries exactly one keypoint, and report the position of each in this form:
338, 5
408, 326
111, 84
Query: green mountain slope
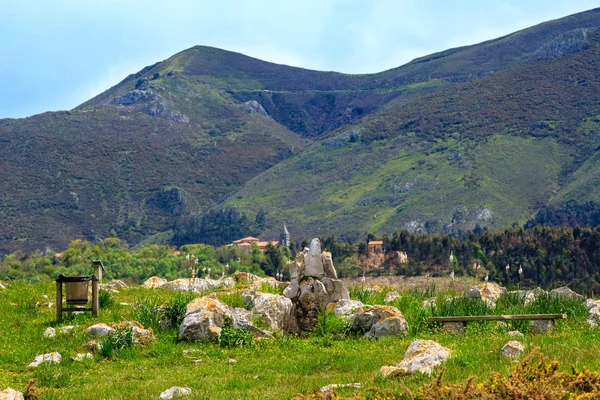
488, 153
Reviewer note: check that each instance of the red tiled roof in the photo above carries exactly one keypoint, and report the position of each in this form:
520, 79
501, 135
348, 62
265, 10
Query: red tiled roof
375, 242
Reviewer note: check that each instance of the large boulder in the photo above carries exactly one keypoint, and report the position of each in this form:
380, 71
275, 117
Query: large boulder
11, 394
345, 308
276, 312
99, 330
565, 292
489, 292
593, 312
378, 321
205, 316
154, 282
198, 285
420, 356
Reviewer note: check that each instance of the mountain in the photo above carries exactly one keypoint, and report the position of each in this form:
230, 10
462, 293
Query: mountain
483, 134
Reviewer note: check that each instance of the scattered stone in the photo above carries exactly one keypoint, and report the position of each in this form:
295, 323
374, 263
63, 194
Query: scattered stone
116, 284
141, 335
11, 394
124, 304
565, 292
379, 321
345, 308
154, 282
276, 312
391, 296
83, 356
334, 386
515, 334
48, 358
593, 316
489, 292
512, 349
45, 298
190, 351
63, 330
3, 286
231, 361
541, 326
99, 330
94, 346
388, 371
528, 296
454, 327
422, 356
198, 285
50, 333
175, 391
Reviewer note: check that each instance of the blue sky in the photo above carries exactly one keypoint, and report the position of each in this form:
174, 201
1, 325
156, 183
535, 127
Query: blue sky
57, 54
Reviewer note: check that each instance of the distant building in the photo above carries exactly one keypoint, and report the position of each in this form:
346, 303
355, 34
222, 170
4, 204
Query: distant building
284, 239
247, 242
375, 246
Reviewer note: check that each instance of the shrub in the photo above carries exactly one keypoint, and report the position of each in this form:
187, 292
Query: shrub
328, 324
231, 337
174, 309
105, 298
232, 299
148, 313
117, 340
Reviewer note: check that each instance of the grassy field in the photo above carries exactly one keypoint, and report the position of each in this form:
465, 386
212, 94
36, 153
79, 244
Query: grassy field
277, 368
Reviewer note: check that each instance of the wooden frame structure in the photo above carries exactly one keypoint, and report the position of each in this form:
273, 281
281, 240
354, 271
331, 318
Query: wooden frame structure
458, 323
77, 292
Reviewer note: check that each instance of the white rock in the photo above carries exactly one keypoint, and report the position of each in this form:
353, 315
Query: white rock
393, 326
11, 394
346, 308
313, 260
565, 292
175, 391
515, 334
334, 386
141, 335
512, 349
231, 361
116, 284
50, 333
99, 330
276, 312
49, 358
391, 296
66, 329
198, 285
45, 298
378, 321
423, 356
83, 356
154, 282
489, 292
2, 286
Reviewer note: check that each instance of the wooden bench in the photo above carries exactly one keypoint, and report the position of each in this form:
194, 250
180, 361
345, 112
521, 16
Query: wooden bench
541, 322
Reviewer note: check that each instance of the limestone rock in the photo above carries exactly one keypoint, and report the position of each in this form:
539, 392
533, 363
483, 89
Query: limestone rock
175, 391
388, 371
254, 107
391, 296
528, 296
541, 326
489, 292
198, 285
276, 312
423, 356
512, 349
454, 327
154, 282
94, 345
515, 334
63, 330
565, 292
11, 394
2, 286
345, 308
99, 330
206, 315
83, 356
141, 335
328, 268
335, 386
48, 358
313, 261
593, 315
50, 333
378, 321
116, 284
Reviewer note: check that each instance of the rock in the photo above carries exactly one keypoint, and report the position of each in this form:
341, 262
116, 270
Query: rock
423, 356
231, 361
334, 386
391, 296
489, 292
313, 260
528, 296
388, 371
328, 268
515, 334
129, 98
175, 391
83, 356
141, 335
276, 312
565, 292
198, 285
293, 289
99, 330
11, 394
591, 303
95, 346
48, 358
254, 107
378, 321
2, 286
45, 298
512, 349
541, 326
454, 327
206, 315
154, 282
593, 316
65, 329
116, 284
50, 333
345, 308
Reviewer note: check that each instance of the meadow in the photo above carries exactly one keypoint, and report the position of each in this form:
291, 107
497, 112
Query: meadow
241, 367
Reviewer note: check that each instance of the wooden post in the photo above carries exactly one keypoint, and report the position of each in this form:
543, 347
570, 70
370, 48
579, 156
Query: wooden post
95, 301
98, 269
58, 300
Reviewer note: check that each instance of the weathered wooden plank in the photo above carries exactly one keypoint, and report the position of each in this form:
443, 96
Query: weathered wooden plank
467, 318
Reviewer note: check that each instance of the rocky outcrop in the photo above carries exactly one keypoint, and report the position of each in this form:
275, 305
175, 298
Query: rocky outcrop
154, 282
420, 356
254, 107
198, 285
276, 312
205, 317
314, 285
379, 321
48, 358
512, 349
11, 394
489, 292
565, 292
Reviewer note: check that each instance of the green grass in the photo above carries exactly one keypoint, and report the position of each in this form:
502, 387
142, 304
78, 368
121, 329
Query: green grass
278, 368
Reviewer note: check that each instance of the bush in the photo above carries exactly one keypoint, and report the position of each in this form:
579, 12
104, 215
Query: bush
105, 298
328, 324
148, 313
173, 312
231, 337
117, 340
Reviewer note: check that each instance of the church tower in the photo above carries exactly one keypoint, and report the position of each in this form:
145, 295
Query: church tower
284, 239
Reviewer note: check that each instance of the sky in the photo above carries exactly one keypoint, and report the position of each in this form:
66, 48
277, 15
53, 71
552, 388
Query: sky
54, 55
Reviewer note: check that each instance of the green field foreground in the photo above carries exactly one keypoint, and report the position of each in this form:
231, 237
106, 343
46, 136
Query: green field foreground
278, 368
